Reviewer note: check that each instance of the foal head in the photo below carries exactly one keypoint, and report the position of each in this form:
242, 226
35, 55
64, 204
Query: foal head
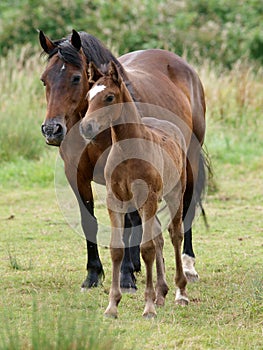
105, 98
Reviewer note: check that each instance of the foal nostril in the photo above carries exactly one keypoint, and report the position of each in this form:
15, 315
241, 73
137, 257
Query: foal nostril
88, 128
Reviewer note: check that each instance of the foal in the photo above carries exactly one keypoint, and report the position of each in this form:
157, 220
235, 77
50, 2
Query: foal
147, 162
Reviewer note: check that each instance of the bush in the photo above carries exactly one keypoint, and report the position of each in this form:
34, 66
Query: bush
215, 29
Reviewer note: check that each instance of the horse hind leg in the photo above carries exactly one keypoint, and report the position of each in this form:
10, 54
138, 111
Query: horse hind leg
176, 235
192, 197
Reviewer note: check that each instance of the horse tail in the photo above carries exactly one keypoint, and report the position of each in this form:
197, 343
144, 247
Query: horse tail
205, 173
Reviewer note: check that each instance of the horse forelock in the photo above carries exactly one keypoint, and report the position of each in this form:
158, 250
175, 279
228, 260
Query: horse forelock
68, 53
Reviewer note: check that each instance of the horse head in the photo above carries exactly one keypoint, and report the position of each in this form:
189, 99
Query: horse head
66, 82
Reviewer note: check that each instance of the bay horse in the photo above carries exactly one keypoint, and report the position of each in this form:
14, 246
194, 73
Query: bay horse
146, 149
155, 77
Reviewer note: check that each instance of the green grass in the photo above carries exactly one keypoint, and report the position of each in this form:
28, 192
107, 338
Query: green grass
43, 262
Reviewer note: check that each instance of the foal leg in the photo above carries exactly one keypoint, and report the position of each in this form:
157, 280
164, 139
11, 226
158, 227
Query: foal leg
176, 235
117, 253
148, 212
161, 284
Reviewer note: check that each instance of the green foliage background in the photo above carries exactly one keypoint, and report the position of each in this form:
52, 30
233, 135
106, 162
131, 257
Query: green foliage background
221, 30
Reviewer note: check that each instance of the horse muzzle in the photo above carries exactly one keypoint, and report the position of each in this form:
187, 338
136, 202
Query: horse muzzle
89, 130
54, 133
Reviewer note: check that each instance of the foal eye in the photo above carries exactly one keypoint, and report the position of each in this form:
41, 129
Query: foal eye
109, 98
76, 79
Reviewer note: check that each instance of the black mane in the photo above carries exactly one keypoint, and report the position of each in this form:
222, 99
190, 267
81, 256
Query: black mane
94, 51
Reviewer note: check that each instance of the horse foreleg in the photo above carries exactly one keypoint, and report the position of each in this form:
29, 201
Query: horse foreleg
89, 225
131, 262
79, 178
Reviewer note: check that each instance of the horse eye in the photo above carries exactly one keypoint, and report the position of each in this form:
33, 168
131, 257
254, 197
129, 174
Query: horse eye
109, 98
76, 79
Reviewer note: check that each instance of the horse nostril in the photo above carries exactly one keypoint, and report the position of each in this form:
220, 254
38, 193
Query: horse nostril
58, 129
52, 129
43, 130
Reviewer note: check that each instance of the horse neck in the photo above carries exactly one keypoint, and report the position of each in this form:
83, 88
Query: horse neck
129, 124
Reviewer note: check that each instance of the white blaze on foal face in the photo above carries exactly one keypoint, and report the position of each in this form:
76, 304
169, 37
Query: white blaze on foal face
95, 90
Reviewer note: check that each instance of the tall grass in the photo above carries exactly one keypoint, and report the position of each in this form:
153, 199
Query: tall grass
21, 106
234, 111
234, 100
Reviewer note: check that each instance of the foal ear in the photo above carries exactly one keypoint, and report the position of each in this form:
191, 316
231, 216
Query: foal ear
114, 73
75, 39
46, 43
94, 73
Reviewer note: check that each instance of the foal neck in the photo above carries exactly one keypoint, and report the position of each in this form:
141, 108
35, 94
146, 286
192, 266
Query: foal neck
129, 124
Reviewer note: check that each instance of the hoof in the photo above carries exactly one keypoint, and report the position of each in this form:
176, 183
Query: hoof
111, 311
181, 299
160, 301
93, 280
189, 269
129, 290
182, 302
149, 315
110, 316
128, 281
149, 310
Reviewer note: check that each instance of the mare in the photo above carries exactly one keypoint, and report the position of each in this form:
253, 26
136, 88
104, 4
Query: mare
146, 149
156, 77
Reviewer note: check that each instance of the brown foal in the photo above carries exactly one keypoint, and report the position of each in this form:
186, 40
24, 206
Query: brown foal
147, 162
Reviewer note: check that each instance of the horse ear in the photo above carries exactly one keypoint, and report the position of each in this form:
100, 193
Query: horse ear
75, 39
46, 43
114, 73
94, 73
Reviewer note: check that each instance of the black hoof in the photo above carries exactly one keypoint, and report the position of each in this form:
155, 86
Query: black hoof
94, 279
128, 282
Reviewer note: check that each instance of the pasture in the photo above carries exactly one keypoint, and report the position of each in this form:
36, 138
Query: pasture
43, 259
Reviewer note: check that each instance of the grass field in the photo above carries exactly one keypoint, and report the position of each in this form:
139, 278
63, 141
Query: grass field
42, 259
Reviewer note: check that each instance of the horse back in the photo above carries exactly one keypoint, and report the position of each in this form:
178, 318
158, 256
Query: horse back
164, 79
